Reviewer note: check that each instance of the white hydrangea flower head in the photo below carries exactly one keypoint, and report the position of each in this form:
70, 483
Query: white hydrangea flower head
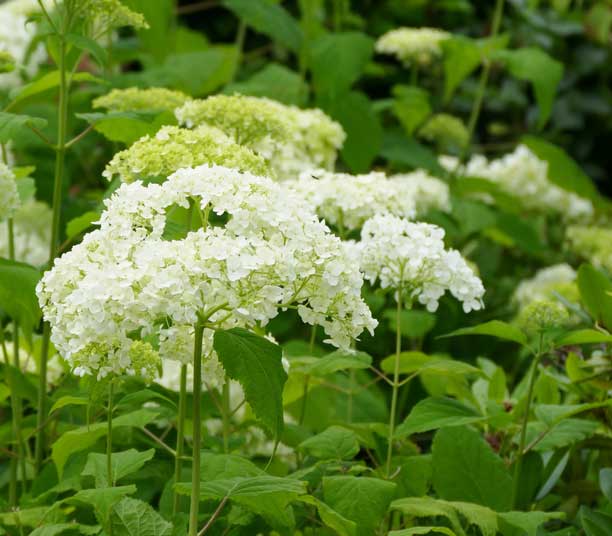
428, 192
524, 176
137, 99
32, 233
413, 45
9, 197
173, 148
16, 35
290, 139
593, 243
347, 201
546, 284
411, 257
125, 281
213, 375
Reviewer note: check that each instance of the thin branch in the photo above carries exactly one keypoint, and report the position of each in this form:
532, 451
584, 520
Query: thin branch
215, 515
78, 137
198, 6
159, 441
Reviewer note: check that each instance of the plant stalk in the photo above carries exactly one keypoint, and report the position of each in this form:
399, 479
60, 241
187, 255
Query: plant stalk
396, 384
180, 435
109, 436
225, 403
197, 430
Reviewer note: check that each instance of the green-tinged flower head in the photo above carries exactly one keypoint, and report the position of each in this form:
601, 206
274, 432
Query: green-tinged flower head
7, 62
173, 148
548, 284
136, 99
412, 45
448, 132
111, 14
592, 243
290, 139
32, 233
145, 360
541, 315
9, 198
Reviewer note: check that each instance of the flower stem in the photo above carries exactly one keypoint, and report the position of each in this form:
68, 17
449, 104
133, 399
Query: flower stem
197, 431
109, 437
396, 384
225, 403
518, 464
313, 336
180, 435
60, 153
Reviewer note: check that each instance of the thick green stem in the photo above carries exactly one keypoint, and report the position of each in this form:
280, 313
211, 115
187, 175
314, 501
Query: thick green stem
60, 153
197, 431
313, 336
484, 79
109, 437
518, 463
225, 401
396, 384
180, 435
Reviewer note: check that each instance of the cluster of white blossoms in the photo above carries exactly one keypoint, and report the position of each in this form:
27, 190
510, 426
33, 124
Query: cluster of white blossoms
9, 197
137, 99
31, 231
547, 284
428, 192
16, 35
125, 282
524, 176
412, 45
410, 258
292, 140
592, 243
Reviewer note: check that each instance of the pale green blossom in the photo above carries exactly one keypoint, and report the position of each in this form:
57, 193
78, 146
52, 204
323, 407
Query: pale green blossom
9, 198
592, 243
541, 315
136, 99
447, 131
412, 45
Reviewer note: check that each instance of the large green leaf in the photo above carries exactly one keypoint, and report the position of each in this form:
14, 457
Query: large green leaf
417, 362
270, 19
331, 518
256, 363
102, 500
595, 289
336, 361
411, 106
132, 517
413, 323
529, 522
334, 443
493, 328
433, 413
466, 469
537, 67
127, 127
338, 59
160, 16
62, 528
18, 293
595, 523
123, 464
12, 124
583, 336
404, 151
605, 482
562, 434
361, 499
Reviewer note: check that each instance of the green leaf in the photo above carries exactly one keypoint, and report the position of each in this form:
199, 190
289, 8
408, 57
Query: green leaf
583, 336
562, 170
12, 124
256, 363
331, 518
81, 223
605, 482
334, 443
433, 413
61, 528
417, 362
529, 522
161, 18
399, 149
102, 500
428, 507
86, 436
562, 434
466, 469
268, 18
520, 232
494, 328
18, 293
594, 289
413, 531
337, 60
69, 400
361, 499
132, 517
127, 127
274, 81
537, 67
86, 44
595, 523
411, 106
123, 464
413, 323
338, 360
46, 82
353, 110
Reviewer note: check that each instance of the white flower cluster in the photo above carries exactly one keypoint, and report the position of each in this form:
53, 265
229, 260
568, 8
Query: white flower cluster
9, 197
410, 257
292, 140
126, 282
16, 35
524, 176
213, 375
419, 45
428, 192
546, 284
32, 233
593, 243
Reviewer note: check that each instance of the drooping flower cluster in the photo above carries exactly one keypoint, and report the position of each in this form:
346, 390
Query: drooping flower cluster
290, 139
173, 148
410, 257
428, 192
16, 35
523, 175
9, 197
347, 201
412, 45
133, 98
592, 243
548, 284
125, 283
32, 233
